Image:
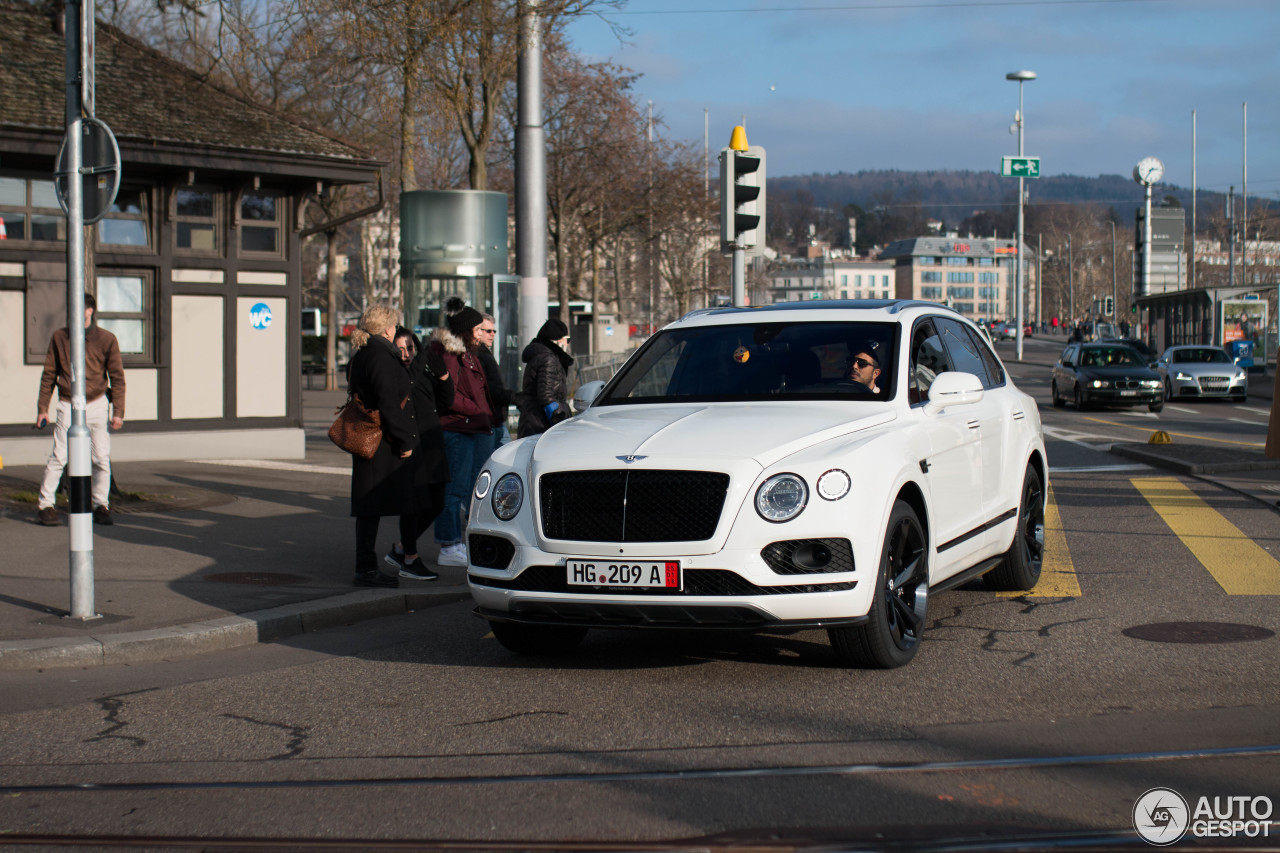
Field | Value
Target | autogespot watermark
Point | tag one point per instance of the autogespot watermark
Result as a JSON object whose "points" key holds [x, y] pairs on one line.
{"points": [[1162, 817]]}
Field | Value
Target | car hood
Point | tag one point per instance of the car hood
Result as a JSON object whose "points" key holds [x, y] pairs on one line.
{"points": [[690, 434]]}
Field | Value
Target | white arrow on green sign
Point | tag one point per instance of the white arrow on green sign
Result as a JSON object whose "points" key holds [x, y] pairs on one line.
{"points": [[1019, 167]]}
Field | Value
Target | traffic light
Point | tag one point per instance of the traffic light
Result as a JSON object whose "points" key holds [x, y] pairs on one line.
{"points": [[1108, 306], [742, 196]]}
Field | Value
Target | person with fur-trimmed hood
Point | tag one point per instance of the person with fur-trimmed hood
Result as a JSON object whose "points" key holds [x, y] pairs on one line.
{"points": [[544, 393], [467, 422]]}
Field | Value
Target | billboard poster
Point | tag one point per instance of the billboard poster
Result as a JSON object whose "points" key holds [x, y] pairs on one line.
{"points": [[1243, 323]]}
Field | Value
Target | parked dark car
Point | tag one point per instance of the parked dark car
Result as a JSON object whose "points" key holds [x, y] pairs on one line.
{"points": [[1109, 374]]}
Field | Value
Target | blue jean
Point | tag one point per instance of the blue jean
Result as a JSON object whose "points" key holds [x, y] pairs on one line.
{"points": [[466, 453]]}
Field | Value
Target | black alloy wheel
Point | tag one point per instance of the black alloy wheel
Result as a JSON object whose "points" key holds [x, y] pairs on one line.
{"points": [[1168, 390], [1079, 398], [1022, 563], [895, 623], [1058, 402]]}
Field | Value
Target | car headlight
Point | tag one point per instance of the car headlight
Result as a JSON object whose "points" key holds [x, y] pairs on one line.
{"points": [[781, 497], [508, 496], [1100, 383], [1151, 383], [482, 484], [1183, 377]]}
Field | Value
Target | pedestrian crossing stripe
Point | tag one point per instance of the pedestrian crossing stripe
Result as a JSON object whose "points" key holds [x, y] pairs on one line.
{"points": [[1057, 573], [1237, 563]]}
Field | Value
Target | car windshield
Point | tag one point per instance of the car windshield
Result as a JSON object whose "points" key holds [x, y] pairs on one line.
{"points": [[1202, 355], [765, 360], [1110, 357]]}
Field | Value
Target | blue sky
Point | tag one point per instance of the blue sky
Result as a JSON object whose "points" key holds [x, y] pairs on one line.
{"points": [[847, 85]]}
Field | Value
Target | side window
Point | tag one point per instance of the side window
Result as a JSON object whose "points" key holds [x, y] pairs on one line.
{"points": [[928, 359], [128, 222], [29, 211], [260, 218], [126, 308], [966, 353], [1068, 356], [198, 220]]}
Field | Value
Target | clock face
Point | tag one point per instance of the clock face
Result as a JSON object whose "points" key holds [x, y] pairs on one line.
{"points": [[1148, 171]]}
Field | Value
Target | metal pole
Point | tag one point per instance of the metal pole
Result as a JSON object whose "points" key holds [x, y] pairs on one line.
{"points": [[1071, 283], [1244, 204], [1146, 245], [1039, 282], [79, 448], [531, 177], [739, 276], [1115, 304], [1018, 261], [1192, 280], [649, 253], [1231, 237]]}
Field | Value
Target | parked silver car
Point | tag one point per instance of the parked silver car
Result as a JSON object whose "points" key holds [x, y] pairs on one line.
{"points": [[1201, 371]]}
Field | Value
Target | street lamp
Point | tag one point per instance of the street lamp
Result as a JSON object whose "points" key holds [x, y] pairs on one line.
{"points": [[1021, 77]]}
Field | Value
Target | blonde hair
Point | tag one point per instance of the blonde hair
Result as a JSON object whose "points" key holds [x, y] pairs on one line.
{"points": [[374, 321]]}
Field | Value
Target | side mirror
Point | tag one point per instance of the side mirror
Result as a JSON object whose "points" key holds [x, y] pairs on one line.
{"points": [[586, 395], [953, 388]]}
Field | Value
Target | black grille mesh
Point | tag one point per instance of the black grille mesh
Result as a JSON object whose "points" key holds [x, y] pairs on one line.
{"points": [[709, 582], [490, 552], [805, 556], [632, 506]]}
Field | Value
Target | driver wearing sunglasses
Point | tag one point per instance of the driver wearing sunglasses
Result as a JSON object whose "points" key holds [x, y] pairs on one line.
{"points": [[864, 368]]}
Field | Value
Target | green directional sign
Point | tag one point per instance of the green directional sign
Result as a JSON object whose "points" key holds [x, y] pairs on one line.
{"points": [[1019, 167]]}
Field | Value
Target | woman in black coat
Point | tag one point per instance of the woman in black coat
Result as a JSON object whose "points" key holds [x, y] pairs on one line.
{"points": [[432, 390], [382, 485], [543, 399]]}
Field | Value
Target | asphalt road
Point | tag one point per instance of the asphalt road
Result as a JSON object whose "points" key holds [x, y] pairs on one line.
{"points": [[1032, 714]]}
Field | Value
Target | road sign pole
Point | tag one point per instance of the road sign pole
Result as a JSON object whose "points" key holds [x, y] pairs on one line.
{"points": [[79, 448]]}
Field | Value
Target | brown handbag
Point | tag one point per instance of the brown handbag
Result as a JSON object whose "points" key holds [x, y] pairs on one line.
{"points": [[357, 430]]}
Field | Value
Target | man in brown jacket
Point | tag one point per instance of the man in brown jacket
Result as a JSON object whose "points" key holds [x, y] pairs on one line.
{"points": [[103, 373]]}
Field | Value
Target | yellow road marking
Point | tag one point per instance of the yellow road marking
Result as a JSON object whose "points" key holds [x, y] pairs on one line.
{"points": [[1149, 429], [1057, 573], [1237, 563]]}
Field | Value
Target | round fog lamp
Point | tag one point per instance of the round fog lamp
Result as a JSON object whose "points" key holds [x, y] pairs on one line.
{"points": [[834, 484]]}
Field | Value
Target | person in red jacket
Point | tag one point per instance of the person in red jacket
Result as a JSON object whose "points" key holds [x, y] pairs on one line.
{"points": [[468, 423], [104, 405]]}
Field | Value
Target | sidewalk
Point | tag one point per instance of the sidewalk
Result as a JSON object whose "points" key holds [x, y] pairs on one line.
{"points": [[213, 555], [205, 556]]}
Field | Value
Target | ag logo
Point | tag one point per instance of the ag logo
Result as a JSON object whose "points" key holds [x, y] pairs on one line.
{"points": [[1161, 816]]}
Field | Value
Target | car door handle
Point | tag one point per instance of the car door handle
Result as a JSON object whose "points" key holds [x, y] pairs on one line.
{"points": [[973, 424]]}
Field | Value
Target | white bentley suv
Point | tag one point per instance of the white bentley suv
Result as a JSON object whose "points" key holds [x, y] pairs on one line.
{"points": [[825, 464]]}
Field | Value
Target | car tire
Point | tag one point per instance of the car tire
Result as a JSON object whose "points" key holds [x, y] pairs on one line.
{"points": [[537, 639], [1156, 407], [1058, 402], [1079, 398], [895, 623], [1020, 569], [1168, 391]]}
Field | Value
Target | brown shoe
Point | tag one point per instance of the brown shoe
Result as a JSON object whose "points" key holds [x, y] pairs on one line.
{"points": [[49, 517], [101, 515]]}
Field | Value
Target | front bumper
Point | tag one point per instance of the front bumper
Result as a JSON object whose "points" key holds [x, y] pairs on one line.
{"points": [[1210, 387], [1114, 397]]}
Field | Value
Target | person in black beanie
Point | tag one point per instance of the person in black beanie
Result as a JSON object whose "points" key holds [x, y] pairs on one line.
{"points": [[467, 422], [544, 393]]}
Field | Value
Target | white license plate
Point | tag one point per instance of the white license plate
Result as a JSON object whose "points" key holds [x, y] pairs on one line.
{"points": [[1128, 393], [630, 574]]}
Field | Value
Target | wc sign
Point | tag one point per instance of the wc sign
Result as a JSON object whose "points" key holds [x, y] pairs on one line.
{"points": [[260, 316]]}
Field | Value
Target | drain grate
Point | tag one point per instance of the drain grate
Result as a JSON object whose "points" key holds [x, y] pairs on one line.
{"points": [[256, 578], [1198, 632]]}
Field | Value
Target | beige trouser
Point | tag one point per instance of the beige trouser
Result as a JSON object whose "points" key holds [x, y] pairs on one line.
{"points": [[97, 415]]}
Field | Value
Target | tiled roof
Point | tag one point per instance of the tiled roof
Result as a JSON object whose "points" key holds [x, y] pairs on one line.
{"points": [[141, 94]]}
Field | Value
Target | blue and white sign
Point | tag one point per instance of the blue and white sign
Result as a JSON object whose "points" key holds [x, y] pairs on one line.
{"points": [[260, 315]]}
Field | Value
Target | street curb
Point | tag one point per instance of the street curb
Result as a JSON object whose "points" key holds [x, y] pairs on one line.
{"points": [[1177, 461], [195, 638]]}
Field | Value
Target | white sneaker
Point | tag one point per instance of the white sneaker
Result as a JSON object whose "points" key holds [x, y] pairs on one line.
{"points": [[453, 555]]}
